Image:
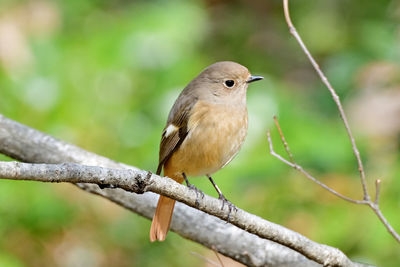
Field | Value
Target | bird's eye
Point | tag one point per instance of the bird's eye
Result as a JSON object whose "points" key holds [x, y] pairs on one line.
{"points": [[229, 83]]}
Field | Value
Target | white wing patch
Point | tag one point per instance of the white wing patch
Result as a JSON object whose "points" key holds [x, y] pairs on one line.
{"points": [[170, 129]]}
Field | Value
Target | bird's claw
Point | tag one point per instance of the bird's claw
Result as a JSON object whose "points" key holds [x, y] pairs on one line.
{"points": [[231, 207], [198, 192]]}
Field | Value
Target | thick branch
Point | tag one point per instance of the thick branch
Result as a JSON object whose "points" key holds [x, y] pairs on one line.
{"points": [[26, 144], [138, 181]]}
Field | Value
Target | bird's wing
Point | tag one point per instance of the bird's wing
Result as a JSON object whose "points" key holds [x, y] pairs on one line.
{"points": [[176, 129]]}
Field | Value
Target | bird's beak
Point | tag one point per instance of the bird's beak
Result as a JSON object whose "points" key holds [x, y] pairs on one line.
{"points": [[254, 78]]}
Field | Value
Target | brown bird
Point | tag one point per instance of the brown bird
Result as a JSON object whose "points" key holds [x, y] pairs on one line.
{"points": [[205, 129]]}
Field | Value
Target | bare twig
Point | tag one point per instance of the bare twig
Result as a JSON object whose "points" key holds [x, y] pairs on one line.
{"points": [[384, 221], [285, 144], [305, 173], [335, 97], [373, 205], [366, 197], [218, 257], [377, 190]]}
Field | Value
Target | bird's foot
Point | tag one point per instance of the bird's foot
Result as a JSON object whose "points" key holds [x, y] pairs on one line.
{"points": [[231, 207], [198, 191], [199, 194]]}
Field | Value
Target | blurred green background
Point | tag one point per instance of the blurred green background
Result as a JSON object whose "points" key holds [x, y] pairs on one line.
{"points": [[103, 75]]}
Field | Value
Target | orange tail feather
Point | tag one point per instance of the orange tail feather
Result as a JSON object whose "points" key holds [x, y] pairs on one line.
{"points": [[163, 215], [162, 219]]}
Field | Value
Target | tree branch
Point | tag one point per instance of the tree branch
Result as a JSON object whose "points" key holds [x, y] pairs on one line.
{"points": [[335, 97], [366, 197], [373, 205], [139, 181], [297, 167], [29, 145]]}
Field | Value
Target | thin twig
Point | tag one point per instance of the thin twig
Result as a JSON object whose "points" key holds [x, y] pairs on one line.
{"points": [[384, 221], [335, 97], [366, 197], [285, 144], [218, 257], [373, 205], [377, 190], [306, 174]]}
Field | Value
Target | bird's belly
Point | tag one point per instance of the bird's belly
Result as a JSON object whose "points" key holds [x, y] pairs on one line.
{"points": [[211, 143]]}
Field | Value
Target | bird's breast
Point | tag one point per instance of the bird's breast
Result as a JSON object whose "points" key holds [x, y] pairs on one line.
{"points": [[215, 135]]}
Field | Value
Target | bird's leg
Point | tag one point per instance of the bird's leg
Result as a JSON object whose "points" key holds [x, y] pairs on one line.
{"points": [[222, 198], [192, 187]]}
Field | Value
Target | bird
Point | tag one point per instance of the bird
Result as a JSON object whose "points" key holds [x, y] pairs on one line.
{"points": [[205, 129]]}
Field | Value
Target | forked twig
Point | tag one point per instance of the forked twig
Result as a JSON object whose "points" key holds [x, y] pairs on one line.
{"points": [[285, 144], [377, 191], [335, 97], [374, 205], [295, 166]]}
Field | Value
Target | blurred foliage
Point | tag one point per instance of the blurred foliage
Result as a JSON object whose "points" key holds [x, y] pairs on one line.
{"points": [[104, 74]]}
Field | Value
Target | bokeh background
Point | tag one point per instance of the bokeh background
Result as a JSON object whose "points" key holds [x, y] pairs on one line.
{"points": [[103, 75]]}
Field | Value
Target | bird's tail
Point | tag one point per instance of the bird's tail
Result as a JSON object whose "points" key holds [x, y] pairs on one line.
{"points": [[163, 215], [162, 219]]}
